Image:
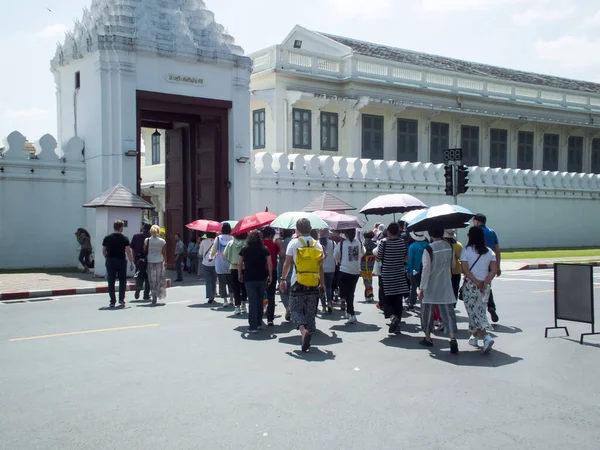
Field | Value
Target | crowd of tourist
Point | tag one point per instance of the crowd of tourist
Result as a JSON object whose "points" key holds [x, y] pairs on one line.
{"points": [[426, 273]]}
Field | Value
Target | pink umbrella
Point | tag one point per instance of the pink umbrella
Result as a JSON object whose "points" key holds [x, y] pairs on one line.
{"points": [[337, 221], [208, 226]]}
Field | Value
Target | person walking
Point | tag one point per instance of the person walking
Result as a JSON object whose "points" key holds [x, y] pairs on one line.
{"points": [[306, 255], [255, 270], [85, 248], [192, 255], [141, 262], [232, 254], [491, 241], [479, 268], [179, 256], [348, 254], [367, 264], [414, 265], [450, 237], [436, 288], [156, 250], [328, 271], [286, 238], [222, 265], [392, 253], [115, 247], [274, 248], [208, 266]]}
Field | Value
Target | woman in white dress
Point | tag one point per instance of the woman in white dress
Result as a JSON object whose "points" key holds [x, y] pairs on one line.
{"points": [[156, 249]]}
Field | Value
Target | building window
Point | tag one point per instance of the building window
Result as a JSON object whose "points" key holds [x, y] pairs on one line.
{"points": [[575, 162], [155, 148], [498, 148], [551, 146], [258, 127], [408, 142], [302, 128], [470, 145], [596, 155], [329, 131], [372, 137], [440, 137], [525, 150]]}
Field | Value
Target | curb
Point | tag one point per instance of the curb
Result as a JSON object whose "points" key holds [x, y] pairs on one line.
{"points": [[551, 265], [62, 292]]}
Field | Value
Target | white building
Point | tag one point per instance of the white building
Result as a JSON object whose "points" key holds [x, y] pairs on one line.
{"points": [[327, 95]]}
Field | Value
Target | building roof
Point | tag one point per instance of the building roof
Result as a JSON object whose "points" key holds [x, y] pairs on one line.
{"points": [[456, 65], [119, 196], [328, 202]]}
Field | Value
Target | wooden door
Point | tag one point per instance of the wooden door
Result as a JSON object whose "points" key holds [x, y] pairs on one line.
{"points": [[174, 190], [206, 170]]}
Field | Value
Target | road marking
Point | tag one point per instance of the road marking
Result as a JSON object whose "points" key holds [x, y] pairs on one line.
{"points": [[524, 279], [73, 333], [552, 290]]}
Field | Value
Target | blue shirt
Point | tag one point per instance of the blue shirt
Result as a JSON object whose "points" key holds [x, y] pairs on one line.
{"points": [[491, 240], [415, 256]]}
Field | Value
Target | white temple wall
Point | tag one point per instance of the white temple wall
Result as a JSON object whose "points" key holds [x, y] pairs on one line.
{"points": [[41, 202], [528, 209]]}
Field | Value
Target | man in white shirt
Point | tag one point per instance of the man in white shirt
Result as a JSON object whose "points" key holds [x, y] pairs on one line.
{"points": [[303, 298]]}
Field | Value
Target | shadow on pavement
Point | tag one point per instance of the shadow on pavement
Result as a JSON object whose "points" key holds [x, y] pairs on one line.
{"points": [[140, 301], [318, 338], [585, 342], [151, 305], [262, 335], [282, 328], [204, 305], [113, 308], [313, 355], [406, 342], [473, 358], [357, 328], [505, 329]]}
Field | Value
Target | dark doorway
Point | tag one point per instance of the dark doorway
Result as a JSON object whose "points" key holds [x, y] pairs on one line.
{"points": [[196, 163]]}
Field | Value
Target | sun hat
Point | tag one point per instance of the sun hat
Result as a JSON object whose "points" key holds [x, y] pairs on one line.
{"points": [[418, 236], [450, 234]]}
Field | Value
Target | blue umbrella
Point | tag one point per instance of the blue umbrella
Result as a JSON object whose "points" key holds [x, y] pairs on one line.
{"points": [[441, 216]]}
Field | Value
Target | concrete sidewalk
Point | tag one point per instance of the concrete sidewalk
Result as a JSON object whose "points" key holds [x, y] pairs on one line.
{"points": [[19, 286]]}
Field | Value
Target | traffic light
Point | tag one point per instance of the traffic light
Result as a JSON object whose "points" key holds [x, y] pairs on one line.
{"points": [[449, 181], [462, 182]]}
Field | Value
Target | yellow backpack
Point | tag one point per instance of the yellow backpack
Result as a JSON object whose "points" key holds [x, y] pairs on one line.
{"points": [[308, 264]]}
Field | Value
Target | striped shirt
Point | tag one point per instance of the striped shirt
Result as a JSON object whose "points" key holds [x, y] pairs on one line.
{"points": [[392, 254]]}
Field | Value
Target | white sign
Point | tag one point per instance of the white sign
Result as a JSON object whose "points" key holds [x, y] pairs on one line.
{"points": [[173, 78]]}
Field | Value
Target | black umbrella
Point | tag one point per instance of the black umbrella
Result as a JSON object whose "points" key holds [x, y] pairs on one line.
{"points": [[442, 216]]}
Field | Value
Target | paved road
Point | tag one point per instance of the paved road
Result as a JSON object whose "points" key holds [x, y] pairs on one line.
{"points": [[185, 376]]}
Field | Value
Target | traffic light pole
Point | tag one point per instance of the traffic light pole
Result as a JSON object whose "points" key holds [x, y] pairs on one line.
{"points": [[455, 181]]}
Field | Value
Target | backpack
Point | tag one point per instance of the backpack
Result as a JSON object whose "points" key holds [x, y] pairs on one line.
{"points": [[308, 263]]}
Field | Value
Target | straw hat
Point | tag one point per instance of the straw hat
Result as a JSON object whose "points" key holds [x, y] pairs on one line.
{"points": [[418, 236], [450, 234]]}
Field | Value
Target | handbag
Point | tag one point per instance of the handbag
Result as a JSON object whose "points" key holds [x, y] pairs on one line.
{"points": [[460, 290]]}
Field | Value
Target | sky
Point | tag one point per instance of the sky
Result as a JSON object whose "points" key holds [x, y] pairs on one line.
{"points": [[556, 37]]}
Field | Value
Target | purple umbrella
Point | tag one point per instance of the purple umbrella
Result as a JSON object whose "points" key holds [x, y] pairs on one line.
{"points": [[392, 204]]}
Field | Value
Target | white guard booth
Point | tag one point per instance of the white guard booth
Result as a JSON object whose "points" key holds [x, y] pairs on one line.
{"points": [[117, 203]]}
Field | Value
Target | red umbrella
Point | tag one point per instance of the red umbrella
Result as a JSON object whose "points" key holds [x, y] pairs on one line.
{"points": [[208, 226], [253, 221]]}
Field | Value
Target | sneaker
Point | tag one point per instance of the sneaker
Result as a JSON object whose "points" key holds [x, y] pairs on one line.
{"points": [[237, 311], [270, 323], [122, 302], [495, 317], [137, 295], [252, 331], [394, 324], [488, 343], [352, 319], [112, 305], [453, 346], [474, 342], [343, 305], [244, 310]]}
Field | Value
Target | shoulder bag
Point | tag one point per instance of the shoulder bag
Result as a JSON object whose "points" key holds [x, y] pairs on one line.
{"points": [[460, 291]]}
